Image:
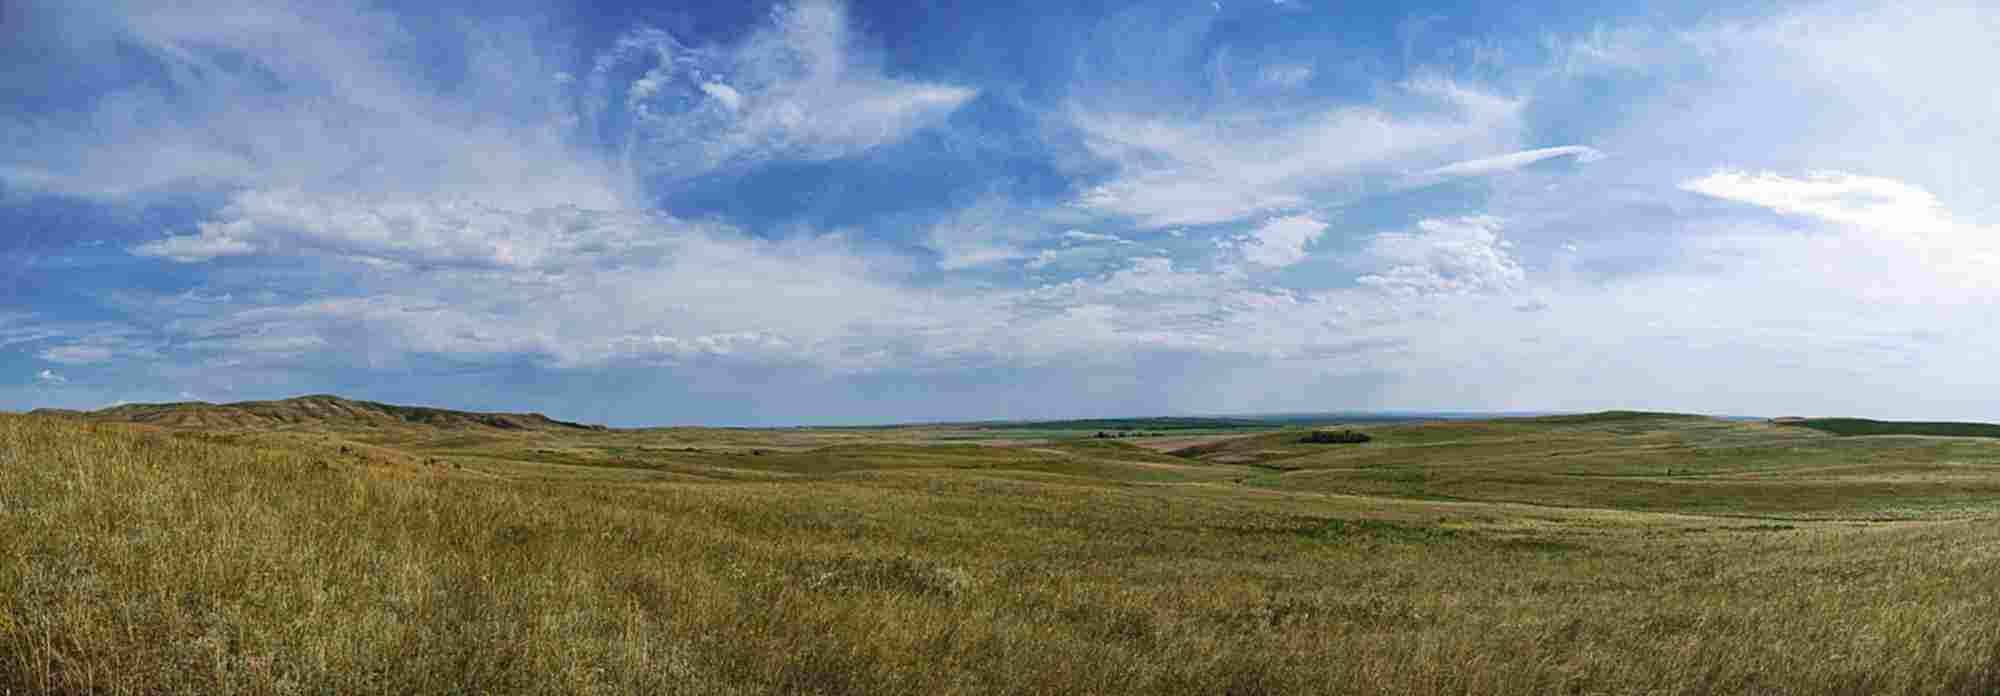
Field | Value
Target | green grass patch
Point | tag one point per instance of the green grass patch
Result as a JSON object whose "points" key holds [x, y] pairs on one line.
{"points": [[1863, 426]]}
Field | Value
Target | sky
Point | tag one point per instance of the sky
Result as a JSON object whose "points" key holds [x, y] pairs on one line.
{"points": [[816, 212]]}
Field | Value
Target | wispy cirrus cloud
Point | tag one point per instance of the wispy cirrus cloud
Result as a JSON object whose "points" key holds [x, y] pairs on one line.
{"points": [[803, 86], [1509, 162], [1235, 164]]}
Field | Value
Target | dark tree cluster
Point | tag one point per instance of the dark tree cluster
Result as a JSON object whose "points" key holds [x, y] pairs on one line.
{"points": [[1335, 437]]}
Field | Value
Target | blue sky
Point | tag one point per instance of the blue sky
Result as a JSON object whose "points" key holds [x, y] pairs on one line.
{"points": [[823, 212]]}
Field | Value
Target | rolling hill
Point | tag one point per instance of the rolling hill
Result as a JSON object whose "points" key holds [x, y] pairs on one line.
{"points": [[1863, 426], [318, 411]]}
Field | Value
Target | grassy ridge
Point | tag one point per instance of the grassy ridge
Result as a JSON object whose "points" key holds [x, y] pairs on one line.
{"points": [[133, 561], [1863, 426]]}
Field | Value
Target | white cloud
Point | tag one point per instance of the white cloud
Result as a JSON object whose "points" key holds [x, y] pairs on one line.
{"points": [[477, 232], [1829, 195], [50, 377], [1223, 167], [977, 256], [77, 354], [724, 93], [1856, 275], [1282, 241], [1445, 256], [460, 234], [214, 240], [1882, 241], [1511, 162], [1866, 300], [94, 343], [200, 110], [1844, 260], [652, 288], [463, 248], [623, 283], [469, 259], [803, 86], [1149, 302], [1867, 91], [10, 333], [1089, 237], [987, 233], [1285, 76], [354, 121], [488, 227], [1077, 258]]}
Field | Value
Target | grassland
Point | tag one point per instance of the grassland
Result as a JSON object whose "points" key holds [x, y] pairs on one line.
{"points": [[1863, 426], [1613, 554]]}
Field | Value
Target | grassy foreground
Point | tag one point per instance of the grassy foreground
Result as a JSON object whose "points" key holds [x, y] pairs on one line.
{"points": [[1511, 557]]}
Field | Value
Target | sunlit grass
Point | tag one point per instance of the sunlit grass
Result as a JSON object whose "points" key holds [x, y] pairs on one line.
{"points": [[141, 562]]}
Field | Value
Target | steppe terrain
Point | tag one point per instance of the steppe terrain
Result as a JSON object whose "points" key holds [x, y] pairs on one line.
{"points": [[321, 545]]}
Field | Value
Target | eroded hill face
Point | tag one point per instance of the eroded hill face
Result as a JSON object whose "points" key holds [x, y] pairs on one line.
{"points": [[316, 412]]}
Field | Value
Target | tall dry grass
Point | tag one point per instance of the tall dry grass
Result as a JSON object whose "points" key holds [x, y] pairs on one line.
{"points": [[137, 562]]}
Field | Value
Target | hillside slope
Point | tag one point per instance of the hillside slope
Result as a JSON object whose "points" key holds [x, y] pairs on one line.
{"points": [[1864, 426], [319, 411]]}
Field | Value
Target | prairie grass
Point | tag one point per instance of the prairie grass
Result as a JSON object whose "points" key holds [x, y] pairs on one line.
{"points": [[138, 561]]}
